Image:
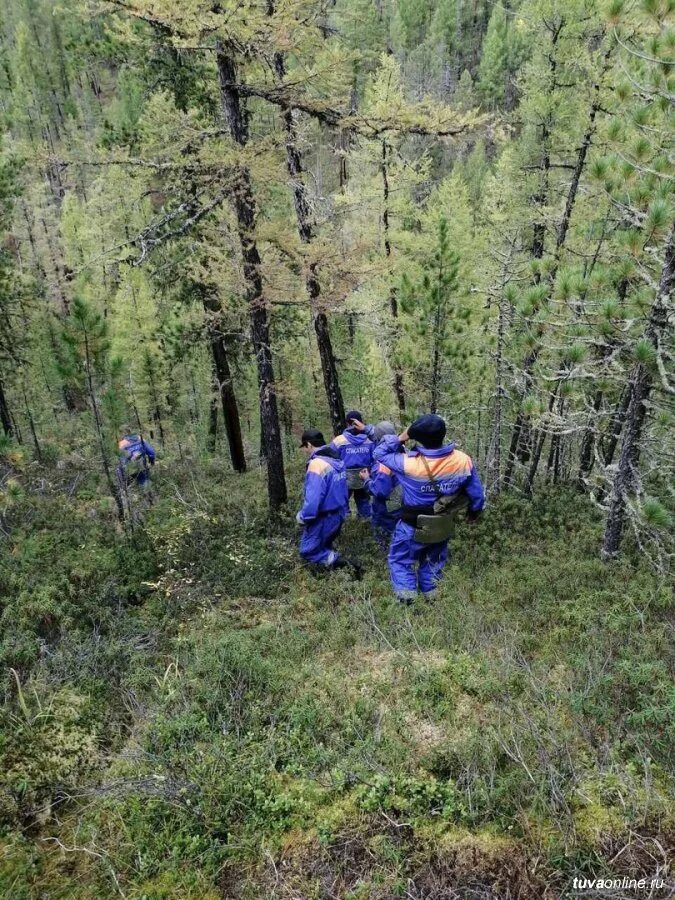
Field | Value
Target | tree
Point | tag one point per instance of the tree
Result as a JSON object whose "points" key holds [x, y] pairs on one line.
{"points": [[641, 186], [431, 305], [87, 364], [494, 63], [245, 210]]}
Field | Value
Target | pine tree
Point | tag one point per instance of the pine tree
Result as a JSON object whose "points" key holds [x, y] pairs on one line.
{"points": [[87, 364], [431, 305], [494, 64]]}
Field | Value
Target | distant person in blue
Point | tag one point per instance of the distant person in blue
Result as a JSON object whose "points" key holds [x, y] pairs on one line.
{"points": [[356, 452], [135, 458], [429, 475], [325, 503], [382, 485]]}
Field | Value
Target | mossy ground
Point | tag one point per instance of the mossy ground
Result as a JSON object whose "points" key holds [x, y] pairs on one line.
{"points": [[193, 715]]}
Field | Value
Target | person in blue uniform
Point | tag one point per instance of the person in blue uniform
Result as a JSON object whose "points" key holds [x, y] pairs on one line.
{"points": [[382, 485], [430, 470], [136, 456], [325, 502], [356, 451]]}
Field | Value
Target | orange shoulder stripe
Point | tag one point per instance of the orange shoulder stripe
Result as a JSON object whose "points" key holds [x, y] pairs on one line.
{"points": [[456, 463], [340, 440], [384, 470]]}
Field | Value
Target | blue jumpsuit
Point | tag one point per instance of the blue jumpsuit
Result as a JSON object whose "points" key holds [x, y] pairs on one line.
{"points": [[413, 565], [325, 507], [380, 485], [136, 455], [356, 451]]}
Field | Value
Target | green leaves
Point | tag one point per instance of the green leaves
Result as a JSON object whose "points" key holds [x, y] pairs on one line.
{"points": [[659, 216], [575, 354], [645, 352], [655, 514]]}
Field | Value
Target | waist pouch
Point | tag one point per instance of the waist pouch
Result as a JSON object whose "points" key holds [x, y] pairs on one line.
{"points": [[354, 482], [434, 529], [436, 523]]}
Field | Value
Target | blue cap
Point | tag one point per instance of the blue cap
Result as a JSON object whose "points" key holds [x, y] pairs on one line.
{"points": [[428, 428]]}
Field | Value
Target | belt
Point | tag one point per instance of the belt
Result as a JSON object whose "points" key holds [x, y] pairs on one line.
{"points": [[409, 514]]}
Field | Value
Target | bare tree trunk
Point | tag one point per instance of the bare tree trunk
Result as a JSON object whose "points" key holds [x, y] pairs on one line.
{"points": [[641, 380], [31, 424], [538, 443], [223, 380], [156, 406], [393, 302], [113, 486], [436, 355], [213, 413], [331, 379], [553, 465], [582, 153], [586, 454], [521, 426], [611, 441], [5, 415], [496, 462], [245, 210]]}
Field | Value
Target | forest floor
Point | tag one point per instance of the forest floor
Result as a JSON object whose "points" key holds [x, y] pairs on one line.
{"points": [[191, 714]]}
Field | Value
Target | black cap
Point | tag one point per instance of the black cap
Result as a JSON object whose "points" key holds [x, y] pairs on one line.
{"points": [[428, 430], [312, 436], [353, 414]]}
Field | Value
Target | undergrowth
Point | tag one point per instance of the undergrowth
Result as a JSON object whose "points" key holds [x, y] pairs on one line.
{"points": [[190, 714]]}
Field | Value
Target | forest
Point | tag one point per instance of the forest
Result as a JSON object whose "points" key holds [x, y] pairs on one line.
{"points": [[223, 223]]}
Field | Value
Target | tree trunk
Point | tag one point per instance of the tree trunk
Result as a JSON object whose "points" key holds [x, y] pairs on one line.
{"points": [[113, 485], [582, 153], [5, 415], [554, 456], [586, 454], [213, 415], [245, 210], [611, 441], [223, 380], [521, 426], [331, 379], [641, 381], [521, 430], [31, 424], [393, 302], [587, 451], [538, 443], [495, 471]]}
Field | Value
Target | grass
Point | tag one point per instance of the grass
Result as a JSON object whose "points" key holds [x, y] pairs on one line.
{"points": [[201, 717]]}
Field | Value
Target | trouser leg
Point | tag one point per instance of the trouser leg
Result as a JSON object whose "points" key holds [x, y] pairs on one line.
{"points": [[362, 500], [316, 542], [332, 528], [383, 526], [432, 560], [402, 563]]}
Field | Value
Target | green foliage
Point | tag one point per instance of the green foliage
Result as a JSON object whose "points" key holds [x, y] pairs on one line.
{"points": [[436, 314], [495, 59], [188, 713]]}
